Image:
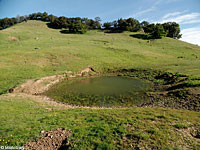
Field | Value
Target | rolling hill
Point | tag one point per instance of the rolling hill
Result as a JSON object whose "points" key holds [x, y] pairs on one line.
{"points": [[31, 50]]}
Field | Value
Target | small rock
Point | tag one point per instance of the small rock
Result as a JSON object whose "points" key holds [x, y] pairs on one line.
{"points": [[42, 132]]}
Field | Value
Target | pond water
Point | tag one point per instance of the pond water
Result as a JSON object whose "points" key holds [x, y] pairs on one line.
{"points": [[100, 91]]}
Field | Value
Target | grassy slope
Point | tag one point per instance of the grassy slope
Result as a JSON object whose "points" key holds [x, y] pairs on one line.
{"points": [[23, 119], [58, 52]]}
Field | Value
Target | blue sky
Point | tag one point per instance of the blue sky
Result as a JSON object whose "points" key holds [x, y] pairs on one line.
{"points": [[184, 12]]}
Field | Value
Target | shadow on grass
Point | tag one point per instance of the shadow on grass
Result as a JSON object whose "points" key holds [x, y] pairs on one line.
{"points": [[113, 31], [142, 36], [182, 86], [70, 32], [49, 25]]}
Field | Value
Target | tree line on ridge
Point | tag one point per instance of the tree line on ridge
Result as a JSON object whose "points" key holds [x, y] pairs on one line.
{"points": [[82, 25]]}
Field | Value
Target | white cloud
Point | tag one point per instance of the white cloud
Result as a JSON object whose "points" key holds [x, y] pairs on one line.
{"points": [[144, 11], [192, 21], [171, 15], [152, 8], [172, 1], [181, 18], [191, 35]]}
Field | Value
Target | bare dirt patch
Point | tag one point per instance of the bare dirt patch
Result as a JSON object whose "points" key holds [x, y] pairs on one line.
{"points": [[36, 87], [13, 38], [188, 137], [51, 140]]}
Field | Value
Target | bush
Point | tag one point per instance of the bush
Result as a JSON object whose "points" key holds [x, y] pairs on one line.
{"points": [[78, 27]]}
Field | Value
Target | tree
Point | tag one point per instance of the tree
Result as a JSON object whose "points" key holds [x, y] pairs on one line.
{"points": [[129, 24], [78, 27], [26, 18], [89, 22], [21, 18], [97, 22], [5, 22], [133, 25], [51, 18], [92, 24], [172, 29], [18, 18], [121, 24], [39, 16], [114, 24], [55, 23], [144, 24], [149, 28], [33, 16], [13, 21], [158, 32], [63, 22], [107, 25], [45, 16], [97, 19], [81, 25]]}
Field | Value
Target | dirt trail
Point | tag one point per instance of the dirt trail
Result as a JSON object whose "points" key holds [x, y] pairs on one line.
{"points": [[46, 101], [34, 88], [13, 38]]}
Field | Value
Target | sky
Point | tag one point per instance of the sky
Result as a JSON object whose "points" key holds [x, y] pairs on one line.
{"points": [[184, 12]]}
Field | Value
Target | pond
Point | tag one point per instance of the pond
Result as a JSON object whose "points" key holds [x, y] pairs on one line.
{"points": [[100, 91]]}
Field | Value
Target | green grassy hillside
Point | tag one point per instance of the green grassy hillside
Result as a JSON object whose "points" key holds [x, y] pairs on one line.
{"points": [[31, 50], [22, 120], [41, 51]]}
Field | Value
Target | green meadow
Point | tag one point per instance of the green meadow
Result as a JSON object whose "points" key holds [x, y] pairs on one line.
{"points": [[39, 51]]}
